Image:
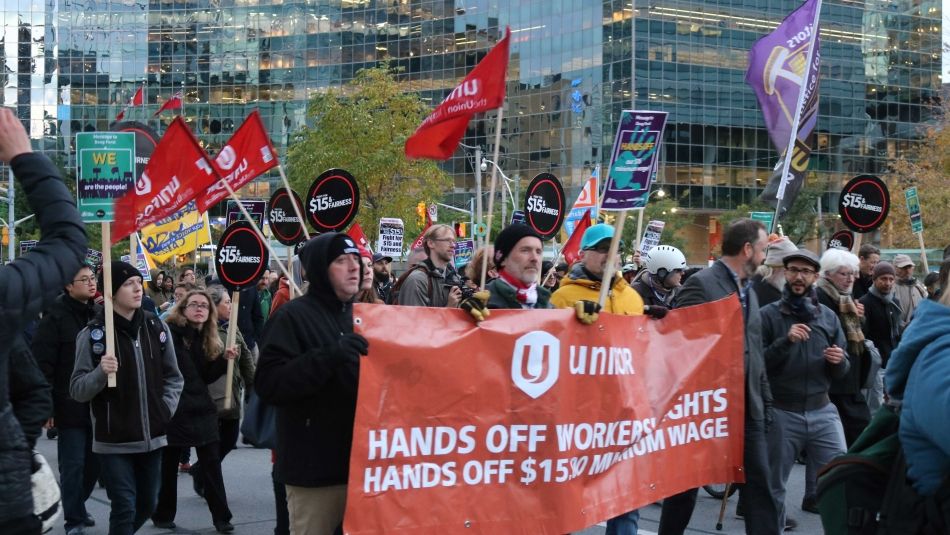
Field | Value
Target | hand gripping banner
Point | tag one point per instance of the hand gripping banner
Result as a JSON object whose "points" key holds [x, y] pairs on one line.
{"points": [[534, 423]]}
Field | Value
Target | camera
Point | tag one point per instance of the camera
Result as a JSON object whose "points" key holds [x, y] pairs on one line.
{"points": [[466, 291]]}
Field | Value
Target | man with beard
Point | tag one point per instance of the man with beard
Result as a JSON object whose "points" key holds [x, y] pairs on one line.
{"points": [[804, 351], [908, 291], [769, 280], [433, 282], [743, 250], [518, 250], [383, 275], [882, 324]]}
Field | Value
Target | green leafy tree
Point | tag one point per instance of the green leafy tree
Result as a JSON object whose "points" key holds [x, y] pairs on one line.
{"points": [[363, 128]]}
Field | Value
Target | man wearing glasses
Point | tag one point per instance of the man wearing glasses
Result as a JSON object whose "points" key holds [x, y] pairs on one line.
{"points": [[433, 282], [54, 347], [804, 352]]}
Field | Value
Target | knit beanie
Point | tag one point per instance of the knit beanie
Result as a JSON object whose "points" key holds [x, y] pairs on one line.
{"points": [[121, 272], [509, 237], [777, 251], [883, 268]]}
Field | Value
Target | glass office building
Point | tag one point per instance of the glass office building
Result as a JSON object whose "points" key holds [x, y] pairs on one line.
{"points": [[70, 65]]}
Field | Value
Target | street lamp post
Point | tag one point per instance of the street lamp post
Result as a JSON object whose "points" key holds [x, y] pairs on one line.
{"points": [[507, 188]]}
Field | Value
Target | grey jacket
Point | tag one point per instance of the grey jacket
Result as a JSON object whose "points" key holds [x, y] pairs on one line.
{"points": [[425, 287], [88, 381], [715, 283], [799, 375]]}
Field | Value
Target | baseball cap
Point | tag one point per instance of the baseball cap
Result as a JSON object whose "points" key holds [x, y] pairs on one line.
{"points": [[596, 234], [902, 260], [380, 256]]}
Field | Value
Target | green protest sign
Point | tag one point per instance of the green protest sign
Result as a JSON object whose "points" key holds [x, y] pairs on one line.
{"points": [[913, 210], [106, 171], [764, 217]]}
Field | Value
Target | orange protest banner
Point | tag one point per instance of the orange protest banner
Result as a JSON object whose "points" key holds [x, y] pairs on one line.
{"points": [[534, 423]]}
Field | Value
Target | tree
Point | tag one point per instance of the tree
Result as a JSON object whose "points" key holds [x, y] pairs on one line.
{"points": [[927, 167], [363, 128], [798, 223]]}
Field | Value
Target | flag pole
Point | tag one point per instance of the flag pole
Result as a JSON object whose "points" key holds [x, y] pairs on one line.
{"points": [[793, 136], [283, 178], [609, 270], [257, 229], [107, 296], [491, 193]]}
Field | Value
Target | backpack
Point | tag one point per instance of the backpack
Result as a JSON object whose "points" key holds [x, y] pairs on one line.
{"points": [[394, 292], [866, 491]]}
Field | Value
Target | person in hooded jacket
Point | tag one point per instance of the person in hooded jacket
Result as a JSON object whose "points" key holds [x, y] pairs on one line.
{"points": [[309, 370], [28, 285], [202, 359], [919, 375]]}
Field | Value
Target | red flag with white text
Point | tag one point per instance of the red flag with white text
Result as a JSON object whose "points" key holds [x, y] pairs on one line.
{"points": [[483, 89], [572, 249], [177, 172], [247, 155]]}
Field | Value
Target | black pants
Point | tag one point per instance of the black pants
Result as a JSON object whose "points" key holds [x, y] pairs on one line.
{"points": [[27, 525], [280, 503], [210, 473], [761, 517], [228, 431]]}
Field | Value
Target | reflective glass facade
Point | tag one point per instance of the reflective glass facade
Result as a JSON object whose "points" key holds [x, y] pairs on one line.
{"points": [[70, 65]]}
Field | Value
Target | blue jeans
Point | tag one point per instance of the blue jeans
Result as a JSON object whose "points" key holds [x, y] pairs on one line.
{"points": [[78, 472], [625, 524], [132, 481]]}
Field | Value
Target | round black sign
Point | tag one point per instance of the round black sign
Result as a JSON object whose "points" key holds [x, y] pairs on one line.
{"points": [[146, 139], [282, 217], [242, 257], [333, 200], [842, 239], [544, 205], [864, 203]]}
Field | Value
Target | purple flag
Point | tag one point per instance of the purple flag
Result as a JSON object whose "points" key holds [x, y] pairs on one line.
{"points": [[778, 72]]}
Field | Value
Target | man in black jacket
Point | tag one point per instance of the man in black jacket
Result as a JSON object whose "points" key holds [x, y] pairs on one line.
{"points": [[27, 286], [309, 370], [54, 348], [882, 323], [743, 250]]}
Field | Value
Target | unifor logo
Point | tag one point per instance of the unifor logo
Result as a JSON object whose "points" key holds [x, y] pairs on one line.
{"points": [[535, 362], [226, 158], [143, 186]]}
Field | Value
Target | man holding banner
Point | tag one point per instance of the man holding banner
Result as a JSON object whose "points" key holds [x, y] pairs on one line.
{"points": [[743, 250], [518, 250], [309, 370]]}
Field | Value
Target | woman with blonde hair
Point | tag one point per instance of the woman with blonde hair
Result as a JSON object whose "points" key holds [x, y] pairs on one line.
{"points": [[202, 359]]}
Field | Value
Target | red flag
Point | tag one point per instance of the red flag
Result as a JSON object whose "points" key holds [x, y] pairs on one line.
{"points": [[483, 89], [572, 249], [177, 172], [121, 115], [356, 232], [173, 103], [246, 156], [139, 97]]}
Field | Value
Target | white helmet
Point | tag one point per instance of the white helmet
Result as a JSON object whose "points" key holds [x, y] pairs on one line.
{"points": [[663, 259]]}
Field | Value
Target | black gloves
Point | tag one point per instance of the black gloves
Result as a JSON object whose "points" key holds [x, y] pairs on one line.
{"points": [[351, 346], [476, 305], [655, 311], [586, 311]]}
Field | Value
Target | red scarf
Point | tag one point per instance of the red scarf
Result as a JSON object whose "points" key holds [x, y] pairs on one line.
{"points": [[526, 294]]}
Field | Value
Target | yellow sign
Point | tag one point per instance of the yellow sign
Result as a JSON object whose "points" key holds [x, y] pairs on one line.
{"points": [[179, 234]]}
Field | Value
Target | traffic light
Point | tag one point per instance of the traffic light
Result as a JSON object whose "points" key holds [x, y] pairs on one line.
{"points": [[421, 212], [6, 236], [460, 229]]}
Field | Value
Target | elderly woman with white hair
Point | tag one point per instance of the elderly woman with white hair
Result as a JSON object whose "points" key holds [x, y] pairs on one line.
{"points": [[839, 270]]}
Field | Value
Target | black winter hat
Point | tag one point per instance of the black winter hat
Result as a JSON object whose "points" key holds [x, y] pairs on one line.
{"points": [[121, 272], [509, 237], [317, 255]]}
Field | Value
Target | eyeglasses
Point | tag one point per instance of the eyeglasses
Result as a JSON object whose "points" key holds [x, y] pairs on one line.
{"points": [[84, 280], [798, 271], [450, 240], [198, 306]]}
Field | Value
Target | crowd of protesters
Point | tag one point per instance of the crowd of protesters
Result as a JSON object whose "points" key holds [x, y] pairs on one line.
{"points": [[826, 340]]}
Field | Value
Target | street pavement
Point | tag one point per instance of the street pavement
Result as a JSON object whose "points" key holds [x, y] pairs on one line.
{"points": [[250, 495]]}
